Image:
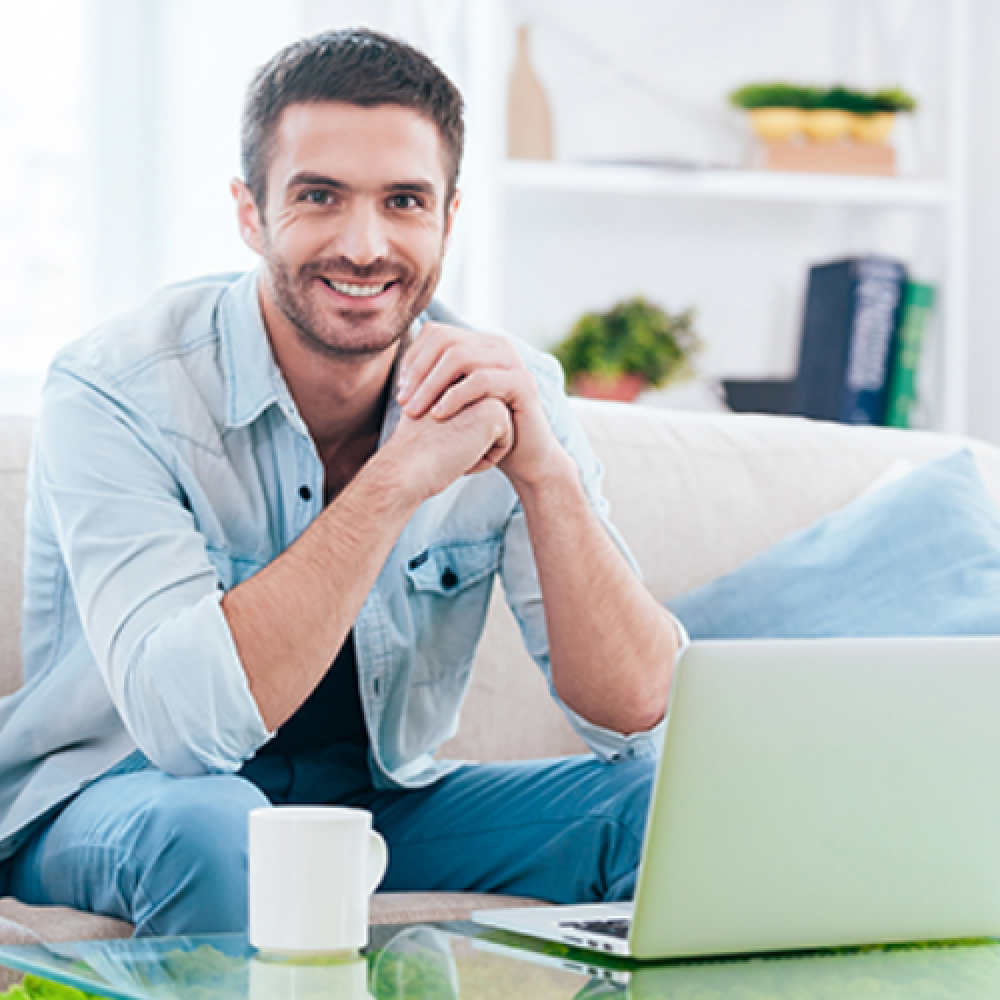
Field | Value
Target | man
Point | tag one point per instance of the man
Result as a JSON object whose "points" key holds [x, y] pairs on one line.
{"points": [[265, 516]]}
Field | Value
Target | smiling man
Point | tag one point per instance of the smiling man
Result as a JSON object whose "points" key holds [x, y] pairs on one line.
{"points": [[266, 514]]}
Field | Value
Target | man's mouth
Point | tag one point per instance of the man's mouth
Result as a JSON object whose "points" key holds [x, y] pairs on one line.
{"points": [[356, 291]]}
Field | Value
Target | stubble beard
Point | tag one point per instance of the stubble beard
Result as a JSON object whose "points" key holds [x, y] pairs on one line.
{"points": [[322, 331]]}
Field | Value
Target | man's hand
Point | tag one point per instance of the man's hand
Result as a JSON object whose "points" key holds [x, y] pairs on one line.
{"points": [[436, 452], [447, 370]]}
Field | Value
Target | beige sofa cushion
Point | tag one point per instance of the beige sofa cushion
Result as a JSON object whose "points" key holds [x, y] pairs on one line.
{"points": [[15, 442]]}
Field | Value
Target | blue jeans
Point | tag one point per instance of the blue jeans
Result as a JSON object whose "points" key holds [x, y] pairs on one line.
{"points": [[169, 854]]}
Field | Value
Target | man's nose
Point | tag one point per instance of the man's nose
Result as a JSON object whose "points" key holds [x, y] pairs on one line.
{"points": [[364, 239]]}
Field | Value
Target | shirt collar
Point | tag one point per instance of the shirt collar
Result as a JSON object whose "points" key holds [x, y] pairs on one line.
{"points": [[253, 379]]}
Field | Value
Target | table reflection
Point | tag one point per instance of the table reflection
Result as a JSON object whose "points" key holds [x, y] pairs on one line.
{"points": [[461, 962]]}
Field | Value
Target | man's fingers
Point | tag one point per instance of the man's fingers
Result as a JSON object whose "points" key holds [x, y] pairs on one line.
{"points": [[503, 437], [452, 365], [448, 356], [423, 356], [479, 385]]}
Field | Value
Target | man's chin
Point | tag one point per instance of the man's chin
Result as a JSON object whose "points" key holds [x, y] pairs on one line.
{"points": [[354, 341]]}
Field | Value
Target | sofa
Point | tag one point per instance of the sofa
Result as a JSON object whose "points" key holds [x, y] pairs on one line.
{"points": [[695, 495]]}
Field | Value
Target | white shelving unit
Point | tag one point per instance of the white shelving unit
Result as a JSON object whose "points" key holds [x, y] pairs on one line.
{"points": [[492, 182], [738, 185]]}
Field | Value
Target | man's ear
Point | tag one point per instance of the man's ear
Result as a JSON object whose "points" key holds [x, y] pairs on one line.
{"points": [[449, 218], [247, 215]]}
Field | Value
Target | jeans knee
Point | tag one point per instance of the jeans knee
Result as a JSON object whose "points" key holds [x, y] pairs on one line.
{"points": [[195, 875], [623, 816], [629, 792]]}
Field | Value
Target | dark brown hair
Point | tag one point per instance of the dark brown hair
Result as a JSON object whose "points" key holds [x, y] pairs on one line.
{"points": [[356, 66]]}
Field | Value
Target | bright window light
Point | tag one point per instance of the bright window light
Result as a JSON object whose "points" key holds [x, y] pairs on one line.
{"points": [[41, 167]]}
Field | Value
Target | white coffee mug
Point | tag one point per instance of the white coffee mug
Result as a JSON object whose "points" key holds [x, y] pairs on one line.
{"points": [[312, 870]]}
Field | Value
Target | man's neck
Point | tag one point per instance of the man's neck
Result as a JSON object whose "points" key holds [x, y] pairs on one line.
{"points": [[342, 403]]}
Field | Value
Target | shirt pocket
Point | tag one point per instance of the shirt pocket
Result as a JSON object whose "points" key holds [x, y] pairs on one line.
{"points": [[447, 569], [449, 586]]}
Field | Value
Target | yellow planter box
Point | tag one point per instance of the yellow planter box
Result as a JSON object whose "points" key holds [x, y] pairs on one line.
{"points": [[827, 125], [872, 128], [776, 124], [823, 125]]}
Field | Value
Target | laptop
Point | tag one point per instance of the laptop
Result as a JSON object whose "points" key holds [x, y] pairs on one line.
{"points": [[812, 794]]}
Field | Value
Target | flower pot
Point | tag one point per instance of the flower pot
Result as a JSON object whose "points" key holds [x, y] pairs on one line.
{"points": [[827, 124], [872, 128], [619, 388], [776, 124]]}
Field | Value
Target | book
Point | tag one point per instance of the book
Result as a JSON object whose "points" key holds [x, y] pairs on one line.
{"points": [[851, 317], [764, 395], [918, 303]]}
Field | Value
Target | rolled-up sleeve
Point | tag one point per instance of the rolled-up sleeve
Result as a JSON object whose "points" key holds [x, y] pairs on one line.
{"points": [[145, 587]]}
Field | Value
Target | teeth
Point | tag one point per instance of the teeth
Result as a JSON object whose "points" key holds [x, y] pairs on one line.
{"points": [[358, 291]]}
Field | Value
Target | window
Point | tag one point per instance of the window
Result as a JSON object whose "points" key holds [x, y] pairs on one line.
{"points": [[41, 167]]}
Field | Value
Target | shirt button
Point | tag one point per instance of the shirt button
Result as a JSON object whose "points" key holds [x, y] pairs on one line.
{"points": [[305, 493], [448, 579]]}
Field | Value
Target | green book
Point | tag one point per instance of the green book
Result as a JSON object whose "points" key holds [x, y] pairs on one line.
{"points": [[918, 301]]}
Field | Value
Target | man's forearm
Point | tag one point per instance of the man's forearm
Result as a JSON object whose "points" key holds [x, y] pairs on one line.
{"points": [[611, 645], [290, 619]]}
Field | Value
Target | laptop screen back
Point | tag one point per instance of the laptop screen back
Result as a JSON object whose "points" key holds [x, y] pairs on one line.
{"points": [[825, 792]]}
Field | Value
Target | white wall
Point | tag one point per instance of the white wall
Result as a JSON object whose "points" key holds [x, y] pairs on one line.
{"points": [[984, 217]]}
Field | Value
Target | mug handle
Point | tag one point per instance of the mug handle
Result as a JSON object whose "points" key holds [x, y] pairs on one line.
{"points": [[378, 860]]}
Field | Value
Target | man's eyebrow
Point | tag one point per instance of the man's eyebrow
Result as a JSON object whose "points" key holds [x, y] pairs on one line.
{"points": [[305, 178], [411, 187]]}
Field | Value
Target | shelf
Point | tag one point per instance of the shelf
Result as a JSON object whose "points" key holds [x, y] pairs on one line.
{"points": [[735, 185]]}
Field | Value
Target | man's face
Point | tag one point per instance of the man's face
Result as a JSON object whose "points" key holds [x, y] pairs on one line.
{"points": [[355, 226]]}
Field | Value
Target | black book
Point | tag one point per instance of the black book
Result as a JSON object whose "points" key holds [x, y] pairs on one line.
{"points": [[758, 395], [851, 318]]}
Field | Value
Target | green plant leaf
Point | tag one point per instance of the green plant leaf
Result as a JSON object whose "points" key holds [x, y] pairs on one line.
{"points": [[790, 95], [633, 337]]}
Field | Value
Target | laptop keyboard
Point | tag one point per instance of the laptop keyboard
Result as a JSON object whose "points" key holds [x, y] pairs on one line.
{"points": [[612, 928]]}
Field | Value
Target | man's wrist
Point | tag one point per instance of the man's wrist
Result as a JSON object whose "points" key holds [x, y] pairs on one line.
{"points": [[557, 475], [395, 482]]}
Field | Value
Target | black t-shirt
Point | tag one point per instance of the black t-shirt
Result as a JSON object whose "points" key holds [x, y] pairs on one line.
{"points": [[331, 715]]}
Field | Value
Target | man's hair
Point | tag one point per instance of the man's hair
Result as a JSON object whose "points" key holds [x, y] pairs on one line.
{"points": [[356, 66]]}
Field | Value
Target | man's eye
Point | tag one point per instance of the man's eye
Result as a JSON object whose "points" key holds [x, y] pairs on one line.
{"points": [[318, 197], [404, 201]]}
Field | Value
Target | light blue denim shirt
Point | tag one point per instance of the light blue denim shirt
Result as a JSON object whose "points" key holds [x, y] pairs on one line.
{"points": [[168, 466]]}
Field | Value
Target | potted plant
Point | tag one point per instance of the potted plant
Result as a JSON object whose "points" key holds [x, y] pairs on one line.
{"points": [[776, 110], [633, 346], [874, 122], [779, 111]]}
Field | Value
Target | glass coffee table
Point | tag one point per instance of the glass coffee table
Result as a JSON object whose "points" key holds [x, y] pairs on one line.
{"points": [[459, 961]]}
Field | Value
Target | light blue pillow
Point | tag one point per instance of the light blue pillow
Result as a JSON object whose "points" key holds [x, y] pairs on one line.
{"points": [[920, 556]]}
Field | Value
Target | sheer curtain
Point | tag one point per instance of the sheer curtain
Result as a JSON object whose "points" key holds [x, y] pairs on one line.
{"points": [[41, 221]]}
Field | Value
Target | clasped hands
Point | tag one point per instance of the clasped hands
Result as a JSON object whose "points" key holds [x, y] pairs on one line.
{"points": [[470, 403]]}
